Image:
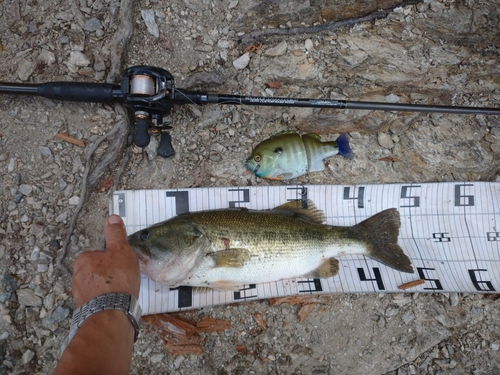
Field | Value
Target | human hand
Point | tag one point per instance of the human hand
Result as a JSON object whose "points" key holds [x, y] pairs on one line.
{"points": [[116, 269]]}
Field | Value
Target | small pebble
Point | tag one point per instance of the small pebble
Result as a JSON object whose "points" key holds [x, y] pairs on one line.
{"points": [[242, 61], [92, 25], [278, 50], [149, 18], [27, 356], [385, 140], [392, 98], [35, 254], [155, 358], [25, 189], [27, 297], [309, 44]]}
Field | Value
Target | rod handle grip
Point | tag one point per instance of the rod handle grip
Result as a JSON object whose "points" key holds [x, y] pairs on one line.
{"points": [[80, 91]]}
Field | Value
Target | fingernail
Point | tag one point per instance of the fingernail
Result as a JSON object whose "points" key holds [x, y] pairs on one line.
{"points": [[115, 219]]}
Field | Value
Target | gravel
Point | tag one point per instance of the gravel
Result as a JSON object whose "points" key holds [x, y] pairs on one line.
{"points": [[432, 52]]}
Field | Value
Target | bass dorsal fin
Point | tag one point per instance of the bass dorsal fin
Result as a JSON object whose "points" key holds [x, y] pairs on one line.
{"points": [[306, 209]]}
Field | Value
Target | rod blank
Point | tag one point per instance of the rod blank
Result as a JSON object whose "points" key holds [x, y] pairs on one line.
{"points": [[182, 97]]}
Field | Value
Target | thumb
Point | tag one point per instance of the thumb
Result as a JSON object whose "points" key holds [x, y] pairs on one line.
{"points": [[115, 233]]}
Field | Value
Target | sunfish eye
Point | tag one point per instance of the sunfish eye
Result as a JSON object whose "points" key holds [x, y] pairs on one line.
{"points": [[257, 158], [278, 151], [143, 236]]}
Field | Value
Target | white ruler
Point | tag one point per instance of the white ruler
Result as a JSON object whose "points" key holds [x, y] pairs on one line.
{"points": [[450, 231]]}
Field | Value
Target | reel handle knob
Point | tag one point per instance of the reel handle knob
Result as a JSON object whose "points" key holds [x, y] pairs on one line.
{"points": [[141, 136], [165, 148]]}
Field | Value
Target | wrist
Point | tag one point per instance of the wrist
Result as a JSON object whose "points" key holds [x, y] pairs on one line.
{"points": [[110, 323], [102, 346]]}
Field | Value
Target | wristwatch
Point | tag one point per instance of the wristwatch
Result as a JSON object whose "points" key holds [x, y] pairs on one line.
{"points": [[109, 301]]}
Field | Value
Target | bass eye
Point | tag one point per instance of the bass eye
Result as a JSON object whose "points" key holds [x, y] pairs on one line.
{"points": [[278, 151], [143, 236], [257, 158]]}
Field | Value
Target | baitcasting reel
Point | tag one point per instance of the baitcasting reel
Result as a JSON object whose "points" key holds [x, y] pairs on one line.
{"points": [[150, 94]]}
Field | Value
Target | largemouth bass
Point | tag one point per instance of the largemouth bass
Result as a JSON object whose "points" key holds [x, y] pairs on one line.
{"points": [[226, 249], [288, 155]]}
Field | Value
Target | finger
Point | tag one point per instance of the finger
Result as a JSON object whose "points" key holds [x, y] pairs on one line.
{"points": [[116, 236]]}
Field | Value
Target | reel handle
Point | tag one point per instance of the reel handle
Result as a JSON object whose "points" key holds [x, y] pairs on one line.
{"points": [[141, 135], [165, 148]]}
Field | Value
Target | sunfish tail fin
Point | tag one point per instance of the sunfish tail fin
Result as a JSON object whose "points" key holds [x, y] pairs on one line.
{"points": [[381, 234], [343, 145]]}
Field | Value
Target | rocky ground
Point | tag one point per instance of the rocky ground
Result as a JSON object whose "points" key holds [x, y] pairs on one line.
{"points": [[431, 52]]}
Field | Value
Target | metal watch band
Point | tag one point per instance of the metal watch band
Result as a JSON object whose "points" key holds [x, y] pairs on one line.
{"points": [[109, 301]]}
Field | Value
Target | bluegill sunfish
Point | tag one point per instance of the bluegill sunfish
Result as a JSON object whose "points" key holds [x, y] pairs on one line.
{"points": [[288, 155]]}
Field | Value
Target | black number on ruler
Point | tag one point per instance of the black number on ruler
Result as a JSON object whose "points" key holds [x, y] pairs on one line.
{"points": [[463, 200], [378, 277], [488, 286], [301, 193], [181, 201], [493, 236], [246, 293], [246, 197], [360, 197], [423, 276], [404, 195], [310, 286], [185, 296], [441, 237]]}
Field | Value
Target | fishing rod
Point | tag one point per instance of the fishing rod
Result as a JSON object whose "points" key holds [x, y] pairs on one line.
{"points": [[150, 94]]}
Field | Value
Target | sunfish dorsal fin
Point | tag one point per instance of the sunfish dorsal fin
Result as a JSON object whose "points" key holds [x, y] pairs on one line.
{"points": [[313, 135], [283, 132], [309, 211]]}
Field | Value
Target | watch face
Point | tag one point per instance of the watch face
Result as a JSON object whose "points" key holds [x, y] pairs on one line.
{"points": [[135, 308]]}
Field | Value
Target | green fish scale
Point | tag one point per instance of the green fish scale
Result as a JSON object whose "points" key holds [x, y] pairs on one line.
{"points": [[296, 153], [322, 150], [265, 234], [318, 151]]}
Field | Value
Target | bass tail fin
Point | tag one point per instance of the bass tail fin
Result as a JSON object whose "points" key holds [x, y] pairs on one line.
{"points": [[343, 145], [381, 233]]}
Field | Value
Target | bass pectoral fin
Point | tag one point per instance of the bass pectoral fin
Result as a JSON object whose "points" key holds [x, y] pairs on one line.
{"points": [[328, 268], [230, 258]]}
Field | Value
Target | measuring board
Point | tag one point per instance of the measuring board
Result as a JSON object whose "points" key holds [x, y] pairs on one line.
{"points": [[450, 231]]}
